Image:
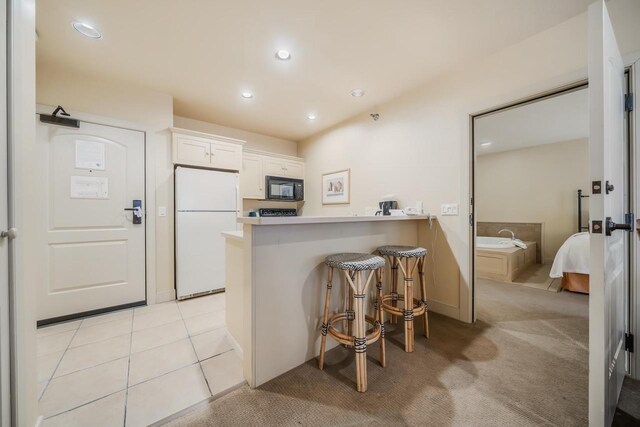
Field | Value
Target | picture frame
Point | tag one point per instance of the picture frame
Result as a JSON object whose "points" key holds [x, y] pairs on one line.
{"points": [[336, 187]]}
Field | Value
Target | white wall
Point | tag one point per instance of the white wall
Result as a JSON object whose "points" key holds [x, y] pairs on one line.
{"points": [[419, 149], [535, 184], [254, 140]]}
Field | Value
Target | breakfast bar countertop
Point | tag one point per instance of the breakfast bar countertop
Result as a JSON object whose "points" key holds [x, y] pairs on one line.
{"points": [[284, 220]]}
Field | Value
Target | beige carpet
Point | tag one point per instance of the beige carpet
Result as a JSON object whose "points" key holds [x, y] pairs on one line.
{"points": [[524, 362]]}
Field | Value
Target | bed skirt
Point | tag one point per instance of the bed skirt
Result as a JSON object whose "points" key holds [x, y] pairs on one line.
{"points": [[576, 282]]}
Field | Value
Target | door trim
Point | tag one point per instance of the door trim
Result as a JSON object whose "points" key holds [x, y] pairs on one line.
{"points": [[149, 190]]}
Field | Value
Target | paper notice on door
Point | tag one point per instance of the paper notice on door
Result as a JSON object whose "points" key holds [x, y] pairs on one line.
{"points": [[89, 187], [90, 155]]}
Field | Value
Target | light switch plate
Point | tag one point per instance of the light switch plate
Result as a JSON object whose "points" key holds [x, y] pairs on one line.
{"points": [[162, 211], [449, 209]]}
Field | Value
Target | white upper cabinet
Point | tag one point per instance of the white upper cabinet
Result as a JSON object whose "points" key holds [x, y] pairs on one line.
{"points": [[283, 167], [273, 166], [251, 177], [294, 169], [256, 165], [191, 151], [200, 149]]}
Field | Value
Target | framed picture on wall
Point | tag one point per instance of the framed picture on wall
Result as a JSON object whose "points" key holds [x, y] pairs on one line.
{"points": [[336, 187]]}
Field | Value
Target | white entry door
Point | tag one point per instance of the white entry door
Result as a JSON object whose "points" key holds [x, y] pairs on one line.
{"points": [[95, 252], [609, 247]]}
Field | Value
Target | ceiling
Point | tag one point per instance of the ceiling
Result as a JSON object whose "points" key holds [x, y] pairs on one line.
{"points": [[205, 53], [557, 119]]}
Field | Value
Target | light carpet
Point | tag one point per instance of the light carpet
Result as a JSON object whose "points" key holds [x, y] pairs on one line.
{"points": [[524, 362]]}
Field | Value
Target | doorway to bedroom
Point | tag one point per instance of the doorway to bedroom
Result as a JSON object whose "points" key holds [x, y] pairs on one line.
{"points": [[530, 184]]}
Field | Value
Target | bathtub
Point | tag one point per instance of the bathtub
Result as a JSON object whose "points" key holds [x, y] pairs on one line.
{"points": [[498, 258], [483, 242]]}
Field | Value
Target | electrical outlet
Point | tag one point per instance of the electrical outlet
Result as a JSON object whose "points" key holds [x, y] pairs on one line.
{"points": [[450, 209], [162, 211]]}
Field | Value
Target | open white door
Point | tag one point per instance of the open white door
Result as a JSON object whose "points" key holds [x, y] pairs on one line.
{"points": [[609, 243]]}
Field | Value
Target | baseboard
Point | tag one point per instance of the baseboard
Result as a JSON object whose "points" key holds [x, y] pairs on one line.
{"points": [[235, 345], [165, 296], [444, 309]]}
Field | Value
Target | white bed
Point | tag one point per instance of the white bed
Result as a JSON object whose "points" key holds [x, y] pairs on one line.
{"points": [[572, 263]]}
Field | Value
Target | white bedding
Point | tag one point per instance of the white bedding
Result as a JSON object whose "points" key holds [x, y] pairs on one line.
{"points": [[572, 257]]}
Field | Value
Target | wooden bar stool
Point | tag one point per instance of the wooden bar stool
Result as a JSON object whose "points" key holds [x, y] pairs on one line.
{"points": [[358, 271], [407, 259]]}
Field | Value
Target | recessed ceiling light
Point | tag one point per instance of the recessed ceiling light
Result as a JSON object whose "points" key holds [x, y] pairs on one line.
{"points": [[87, 30], [283, 55], [486, 144], [357, 93], [311, 116], [247, 95]]}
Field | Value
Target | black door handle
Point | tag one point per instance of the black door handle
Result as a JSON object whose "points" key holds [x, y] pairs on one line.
{"points": [[137, 211], [612, 226]]}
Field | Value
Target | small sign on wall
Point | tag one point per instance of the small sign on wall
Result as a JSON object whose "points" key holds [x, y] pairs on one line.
{"points": [[89, 187], [90, 155]]}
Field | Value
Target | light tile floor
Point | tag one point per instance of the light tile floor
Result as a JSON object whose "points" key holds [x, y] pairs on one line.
{"points": [[135, 367]]}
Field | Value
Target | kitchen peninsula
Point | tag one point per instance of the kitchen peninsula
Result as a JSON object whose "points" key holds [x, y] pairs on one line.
{"points": [[282, 278]]}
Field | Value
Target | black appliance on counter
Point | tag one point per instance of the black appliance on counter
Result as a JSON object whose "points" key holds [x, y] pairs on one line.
{"points": [[284, 189], [386, 206], [277, 212]]}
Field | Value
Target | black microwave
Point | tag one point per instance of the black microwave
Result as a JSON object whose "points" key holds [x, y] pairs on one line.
{"points": [[284, 189]]}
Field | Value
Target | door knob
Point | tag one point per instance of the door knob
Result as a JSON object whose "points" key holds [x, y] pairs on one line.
{"points": [[608, 187], [10, 234], [612, 226]]}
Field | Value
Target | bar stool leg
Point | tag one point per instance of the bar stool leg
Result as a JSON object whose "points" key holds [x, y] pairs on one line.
{"points": [[380, 317], [325, 318], [423, 290], [394, 286], [350, 311], [360, 338], [408, 308]]}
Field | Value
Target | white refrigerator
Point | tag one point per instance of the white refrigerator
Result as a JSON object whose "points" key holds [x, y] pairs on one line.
{"points": [[206, 204]]}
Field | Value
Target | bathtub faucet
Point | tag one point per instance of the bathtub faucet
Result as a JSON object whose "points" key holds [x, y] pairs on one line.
{"points": [[513, 235]]}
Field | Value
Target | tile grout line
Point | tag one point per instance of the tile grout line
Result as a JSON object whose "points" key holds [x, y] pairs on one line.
{"points": [[196, 353], [126, 389], [84, 404], [59, 362], [126, 385]]}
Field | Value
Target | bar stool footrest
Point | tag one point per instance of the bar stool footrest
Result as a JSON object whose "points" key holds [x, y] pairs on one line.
{"points": [[346, 339], [418, 306]]}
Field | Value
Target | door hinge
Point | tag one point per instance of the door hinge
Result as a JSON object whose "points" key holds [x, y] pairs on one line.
{"points": [[471, 219], [628, 342], [628, 102]]}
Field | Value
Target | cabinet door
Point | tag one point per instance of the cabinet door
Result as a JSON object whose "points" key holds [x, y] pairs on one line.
{"points": [[192, 151], [274, 167], [226, 156], [251, 177], [294, 170]]}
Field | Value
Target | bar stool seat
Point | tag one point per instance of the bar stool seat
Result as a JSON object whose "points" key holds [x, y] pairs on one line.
{"points": [[355, 267], [407, 259], [354, 262], [402, 251]]}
